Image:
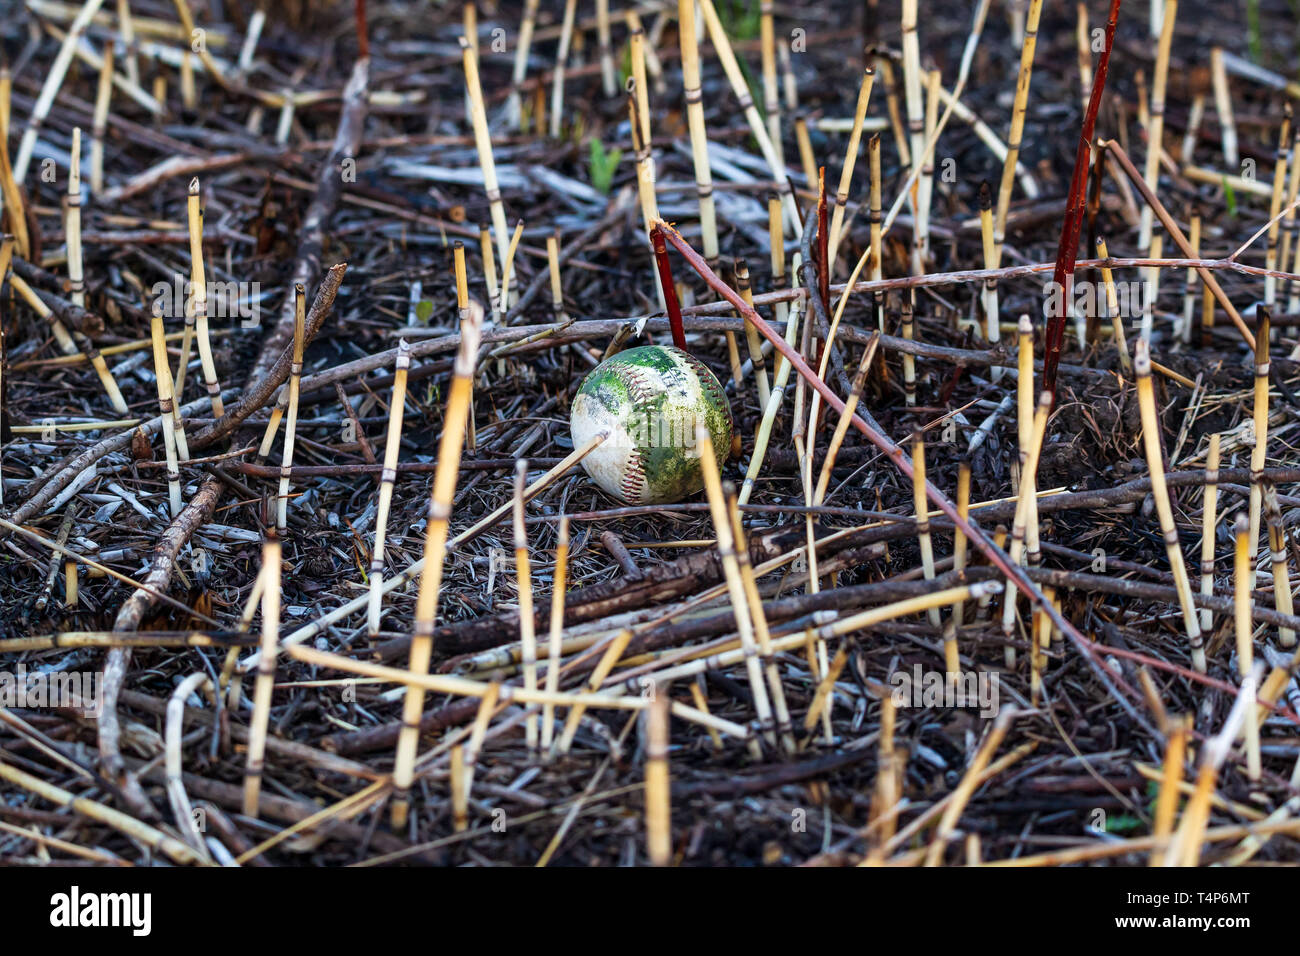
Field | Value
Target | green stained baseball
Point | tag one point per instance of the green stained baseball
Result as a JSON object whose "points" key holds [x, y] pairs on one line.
{"points": [[649, 401]]}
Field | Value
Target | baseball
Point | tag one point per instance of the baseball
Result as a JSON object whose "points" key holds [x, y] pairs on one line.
{"points": [[649, 400]]}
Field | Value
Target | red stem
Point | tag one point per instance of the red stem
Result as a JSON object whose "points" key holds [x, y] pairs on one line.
{"points": [[1068, 249], [363, 38], [670, 291]]}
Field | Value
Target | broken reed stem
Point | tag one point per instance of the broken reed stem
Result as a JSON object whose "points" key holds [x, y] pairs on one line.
{"points": [[686, 31], [1190, 284], [443, 494], [1275, 207], [850, 159], [561, 64], [462, 312], [72, 224], [388, 478], [771, 91], [1083, 49], [199, 298], [617, 645], [483, 144], [761, 632], [912, 88], [103, 96], [842, 426], [1259, 452], [265, 673], [966, 788], [557, 288], [989, 291], [478, 733], [740, 86], [514, 111], [1171, 780], [922, 517], [1025, 421], [291, 417], [753, 343], [1209, 526], [1160, 492], [1017, 550], [726, 545], [1223, 106], [1112, 308], [609, 81], [523, 573], [873, 153], [774, 402], [489, 269], [886, 68], [909, 360], [801, 137], [166, 405], [1156, 122], [555, 644], [658, 809], [1015, 134], [645, 162], [1281, 573], [508, 279], [1242, 572], [951, 655], [50, 88], [925, 185]]}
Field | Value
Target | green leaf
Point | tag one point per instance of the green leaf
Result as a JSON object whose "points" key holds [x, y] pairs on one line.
{"points": [[424, 311], [1230, 195], [1122, 823], [602, 165]]}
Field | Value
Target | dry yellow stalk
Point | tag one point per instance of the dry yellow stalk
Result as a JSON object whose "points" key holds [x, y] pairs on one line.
{"points": [[559, 582], [1160, 492], [265, 674], [388, 477], [291, 417], [199, 300], [1209, 525], [658, 812], [435, 542]]}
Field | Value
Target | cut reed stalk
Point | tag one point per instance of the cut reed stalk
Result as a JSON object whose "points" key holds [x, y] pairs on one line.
{"points": [[1025, 422], [1083, 50], [1171, 780], [1242, 573], [50, 88], [762, 634], [265, 673], [923, 517], [1209, 527], [886, 68], [523, 573], [199, 304], [1259, 452], [291, 416], [556, 639], [1281, 572], [842, 426], [989, 291], [925, 185], [388, 478], [435, 542], [1223, 106], [166, 406], [609, 80], [740, 87], [487, 706], [951, 655], [873, 153], [1156, 122], [1160, 492], [1190, 284], [514, 110], [850, 159], [658, 808], [483, 144], [1017, 549], [561, 65], [727, 545], [1016, 131], [613, 652], [1112, 308], [771, 90], [753, 343], [1275, 208], [103, 96], [687, 34], [488, 254]]}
